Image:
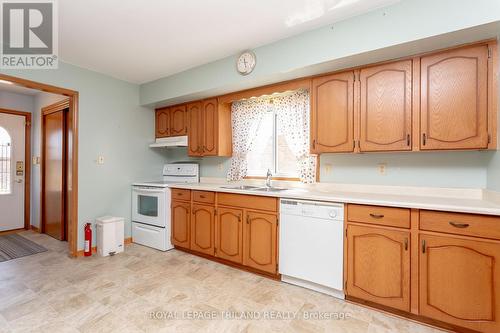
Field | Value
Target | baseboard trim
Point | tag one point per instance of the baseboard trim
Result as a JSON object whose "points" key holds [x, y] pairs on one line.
{"points": [[80, 253], [13, 231], [35, 229]]}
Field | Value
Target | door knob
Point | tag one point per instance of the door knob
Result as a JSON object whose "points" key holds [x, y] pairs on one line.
{"points": [[19, 181]]}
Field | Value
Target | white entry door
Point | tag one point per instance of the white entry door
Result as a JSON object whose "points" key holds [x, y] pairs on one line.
{"points": [[12, 154]]}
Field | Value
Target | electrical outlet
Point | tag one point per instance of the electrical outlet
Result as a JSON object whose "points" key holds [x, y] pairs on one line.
{"points": [[36, 160], [328, 168], [100, 160], [382, 169]]}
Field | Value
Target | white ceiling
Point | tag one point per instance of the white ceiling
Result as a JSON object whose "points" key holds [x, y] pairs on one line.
{"points": [[140, 41]]}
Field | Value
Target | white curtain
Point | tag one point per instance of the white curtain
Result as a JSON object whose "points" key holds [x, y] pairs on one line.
{"points": [[245, 117], [293, 113]]}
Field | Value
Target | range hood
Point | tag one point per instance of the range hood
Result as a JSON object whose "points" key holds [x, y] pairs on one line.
{"points": [[173, 141]]}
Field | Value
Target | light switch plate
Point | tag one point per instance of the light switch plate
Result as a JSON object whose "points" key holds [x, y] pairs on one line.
{"points": [[100, 160]]}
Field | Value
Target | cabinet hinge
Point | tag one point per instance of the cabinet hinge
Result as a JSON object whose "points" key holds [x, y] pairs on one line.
{"points": [[489, 52], [215, 211], [489, 138], [353, 144], [345, 285], [345, 232], [277, 268]]}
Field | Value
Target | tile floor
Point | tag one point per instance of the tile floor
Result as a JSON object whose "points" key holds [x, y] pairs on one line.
{"points": [[143, 290]]}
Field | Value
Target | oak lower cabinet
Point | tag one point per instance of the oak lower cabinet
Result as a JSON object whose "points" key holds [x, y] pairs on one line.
{"points": [[459, 281], [260, 241], [202, 228], [229, 234], [181, 223], [378, 265]]}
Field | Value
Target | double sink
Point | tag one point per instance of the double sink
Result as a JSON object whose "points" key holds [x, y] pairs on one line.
{"points": [[255, 188]]}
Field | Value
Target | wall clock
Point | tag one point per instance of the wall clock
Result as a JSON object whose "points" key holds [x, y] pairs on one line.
{"points": [[246, 63]]}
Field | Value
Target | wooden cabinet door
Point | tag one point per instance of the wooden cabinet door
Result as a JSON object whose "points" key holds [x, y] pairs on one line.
{"points": [[202, 229], [386, 107], [454, 99], [332, 113], [195, 130], [210, 132], [180, 223], [259, 250], [460, 282], [229, 234], [162, 123], [178, 120], [378, 265]]}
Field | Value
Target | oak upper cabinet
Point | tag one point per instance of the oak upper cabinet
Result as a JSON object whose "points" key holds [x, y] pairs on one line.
{"points": [[229, 234], [209, 144], [386, 107], [454, 99], [162, 123], [209, 130], [195, 129], [459, 281], [180, 223], [178, 120], [332, 113], [260, 242], [202, 229], [378, 265]]}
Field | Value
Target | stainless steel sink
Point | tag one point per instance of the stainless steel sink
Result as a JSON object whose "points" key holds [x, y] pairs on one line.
{"points": [[240, 187], [270, 189]]}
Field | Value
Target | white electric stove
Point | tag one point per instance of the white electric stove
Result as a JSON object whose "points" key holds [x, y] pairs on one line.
{"points": [[151, 225]]}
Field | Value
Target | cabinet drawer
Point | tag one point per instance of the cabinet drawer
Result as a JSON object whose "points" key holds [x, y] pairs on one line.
{"points": [[204, 196], [388, 216], [461, 224], [248, 201], [181, 194]]}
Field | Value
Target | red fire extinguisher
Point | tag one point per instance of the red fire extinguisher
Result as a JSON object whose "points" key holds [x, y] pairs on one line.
{"points": [[88, 240]]}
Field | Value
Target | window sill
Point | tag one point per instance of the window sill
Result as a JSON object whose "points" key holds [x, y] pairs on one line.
{"points": [[295, 179]]}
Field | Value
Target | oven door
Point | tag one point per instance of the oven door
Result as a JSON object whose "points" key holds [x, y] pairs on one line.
{"points": [[149, 205]]}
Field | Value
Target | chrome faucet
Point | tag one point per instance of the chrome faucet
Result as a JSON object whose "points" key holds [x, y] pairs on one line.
{"points": [[268, 178]]}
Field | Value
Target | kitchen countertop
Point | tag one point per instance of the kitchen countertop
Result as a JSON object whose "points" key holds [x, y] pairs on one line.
{"points": [[477, 203]]}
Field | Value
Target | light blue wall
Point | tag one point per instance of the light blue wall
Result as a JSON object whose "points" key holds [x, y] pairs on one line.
{"points": [[112, 124], [408, 27], [363, 39]]}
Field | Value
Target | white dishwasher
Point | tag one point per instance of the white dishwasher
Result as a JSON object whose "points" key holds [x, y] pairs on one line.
{"points": [[311, 245]]}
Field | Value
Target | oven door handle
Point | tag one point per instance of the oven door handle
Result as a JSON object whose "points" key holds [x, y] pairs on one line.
{"points": [[147, 190]]}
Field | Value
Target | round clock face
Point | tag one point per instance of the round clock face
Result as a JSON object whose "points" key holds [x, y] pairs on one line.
{"points": [[245, 63]]}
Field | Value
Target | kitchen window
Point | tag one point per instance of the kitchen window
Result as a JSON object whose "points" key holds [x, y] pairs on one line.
{"points": [[272, 133], [270, 150]]}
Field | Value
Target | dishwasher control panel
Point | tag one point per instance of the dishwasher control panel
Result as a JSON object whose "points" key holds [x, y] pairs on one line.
{"points": [[320, 210]]}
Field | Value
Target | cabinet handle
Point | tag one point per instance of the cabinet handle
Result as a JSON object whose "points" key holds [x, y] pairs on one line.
{"points": [[424, 139], [423, 246], [239, 218], [406, 244], [407, 139], [459, 225], [314, 144], [377, 216], [202, 196], [248, 219], [179, 193]]}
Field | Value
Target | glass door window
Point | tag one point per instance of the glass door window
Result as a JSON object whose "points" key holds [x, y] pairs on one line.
{"points": [[147, 205]]}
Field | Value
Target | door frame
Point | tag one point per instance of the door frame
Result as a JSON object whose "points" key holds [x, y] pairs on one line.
{"points": [[72, 204], [52, 108], [27, 162]]}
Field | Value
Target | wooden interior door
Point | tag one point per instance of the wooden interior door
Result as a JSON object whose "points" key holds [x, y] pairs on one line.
{"points": [[210, 127], [454, 99], [229, 234], [180, 223], [386, 107], [378, 265], [259, 250], [54, 177], [162, 123], [178, 120], [458, 282], [332, 113], [202, 229], [195, 129]]}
